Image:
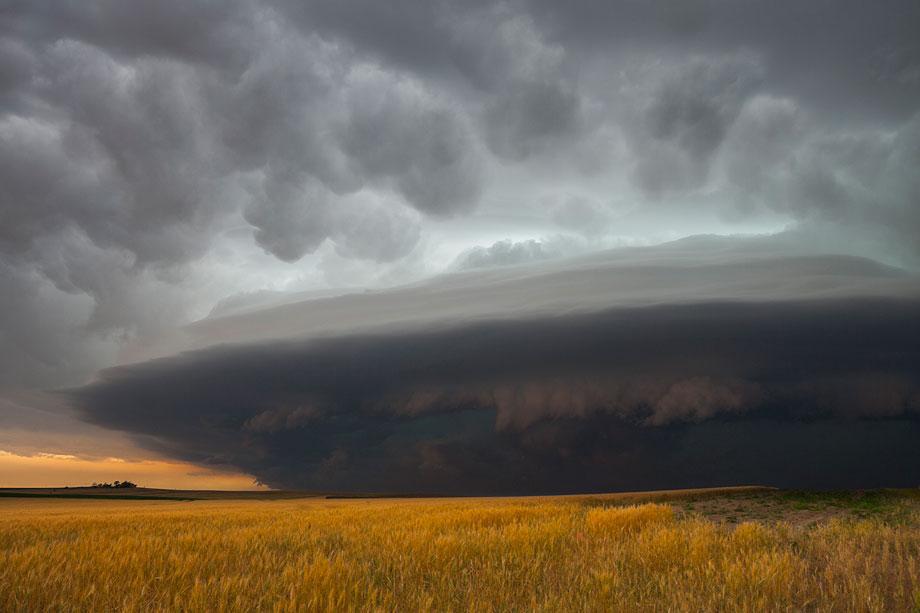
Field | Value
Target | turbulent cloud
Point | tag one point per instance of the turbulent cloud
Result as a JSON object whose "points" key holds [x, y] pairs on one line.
{"points": [[376, 231], [506, 253], [688, 118], [693, 270], [388, 398], [158, 157], [398, 132], [290, 219], [528, 403]]}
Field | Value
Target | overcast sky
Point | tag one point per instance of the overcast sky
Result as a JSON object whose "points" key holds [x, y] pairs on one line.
{"points": [[339, 244]]}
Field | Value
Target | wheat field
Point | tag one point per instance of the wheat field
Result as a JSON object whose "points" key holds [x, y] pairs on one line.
{"points": [[548, 554]]}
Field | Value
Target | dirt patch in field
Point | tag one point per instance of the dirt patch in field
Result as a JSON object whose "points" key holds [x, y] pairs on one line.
{"points": [[802, 508]]}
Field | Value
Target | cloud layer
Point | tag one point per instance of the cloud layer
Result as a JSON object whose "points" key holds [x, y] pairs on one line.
{"points": [[558, 401], [163, 157]]}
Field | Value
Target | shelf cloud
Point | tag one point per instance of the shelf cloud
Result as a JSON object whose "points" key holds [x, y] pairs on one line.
{"points": [[562, 398], [438, 174]]}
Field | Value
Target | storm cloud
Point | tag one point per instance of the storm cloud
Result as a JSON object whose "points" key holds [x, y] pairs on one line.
{"points": [[453, 165], [668, 393]]}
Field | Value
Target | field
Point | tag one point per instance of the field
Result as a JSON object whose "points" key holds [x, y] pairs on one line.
{"points": [[743, 550]]}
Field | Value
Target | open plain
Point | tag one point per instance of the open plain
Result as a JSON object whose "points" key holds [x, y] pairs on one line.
{"points": [[743, 549]]}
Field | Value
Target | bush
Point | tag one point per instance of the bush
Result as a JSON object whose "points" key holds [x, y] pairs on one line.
{"points": [[117, 484]]}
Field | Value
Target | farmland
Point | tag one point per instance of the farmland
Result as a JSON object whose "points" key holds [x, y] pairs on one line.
{"points": [[748, 549]]}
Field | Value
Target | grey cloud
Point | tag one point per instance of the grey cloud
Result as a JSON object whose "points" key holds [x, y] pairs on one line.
{"points": [[163, 137], [290, 219], [206, 31], [269, 109], [760, 142], [120, 162], [681, 371], [38, 346], [146, 142], [395, 32], [65, 312], [506, 253], [376, 231], [495, 49], [293, 219], [588, 218], [642, 398], [531, 118], [534, 106], [562, 396], [692, 270], [855, 58], [254, 300], [862, 180], [31, 153], [17, 65], [273, 118], [479, 43], [398, 132], [143, 147], [688, 118], [694, 107], [273, 420]]}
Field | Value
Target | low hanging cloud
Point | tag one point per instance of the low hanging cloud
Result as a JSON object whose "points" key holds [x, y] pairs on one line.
{"points": [[158, 157], [558, 401], [690, 113], [141, 135]]}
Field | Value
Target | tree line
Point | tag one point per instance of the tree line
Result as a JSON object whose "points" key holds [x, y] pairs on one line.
{"points": [[116, 484]]}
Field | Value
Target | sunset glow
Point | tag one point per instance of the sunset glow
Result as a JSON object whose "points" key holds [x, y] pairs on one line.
{"points": [[61, 470]]}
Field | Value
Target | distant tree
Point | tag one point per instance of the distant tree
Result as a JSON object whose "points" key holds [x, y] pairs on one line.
{"points": [[117, 484]]}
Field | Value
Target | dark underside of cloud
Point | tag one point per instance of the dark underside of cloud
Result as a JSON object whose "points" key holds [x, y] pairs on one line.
{"points": [[157, 156], [822, 393], [145, 145]]}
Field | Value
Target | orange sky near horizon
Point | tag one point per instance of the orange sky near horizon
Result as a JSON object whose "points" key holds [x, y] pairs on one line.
{"points": [[59, 470]]}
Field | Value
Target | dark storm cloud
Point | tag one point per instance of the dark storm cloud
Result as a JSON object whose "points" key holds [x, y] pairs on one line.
{"points": [[142, 142], [142, 125], [393, 131], [552, 404], [594, 372], [857, 179], [853, 57], [146, 145], [130, 136], [211, 32], [693, 270], [688, 118], [533, 116]]}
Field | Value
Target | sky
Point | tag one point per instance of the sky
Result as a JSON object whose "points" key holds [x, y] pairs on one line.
{"points": [[460, 247]]}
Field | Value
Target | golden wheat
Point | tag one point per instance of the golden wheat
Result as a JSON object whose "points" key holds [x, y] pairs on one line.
{"points": [[462, 554]]}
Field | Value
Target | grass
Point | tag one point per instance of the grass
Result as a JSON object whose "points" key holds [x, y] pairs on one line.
{"points": [[589, 553], [868, 502]]}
